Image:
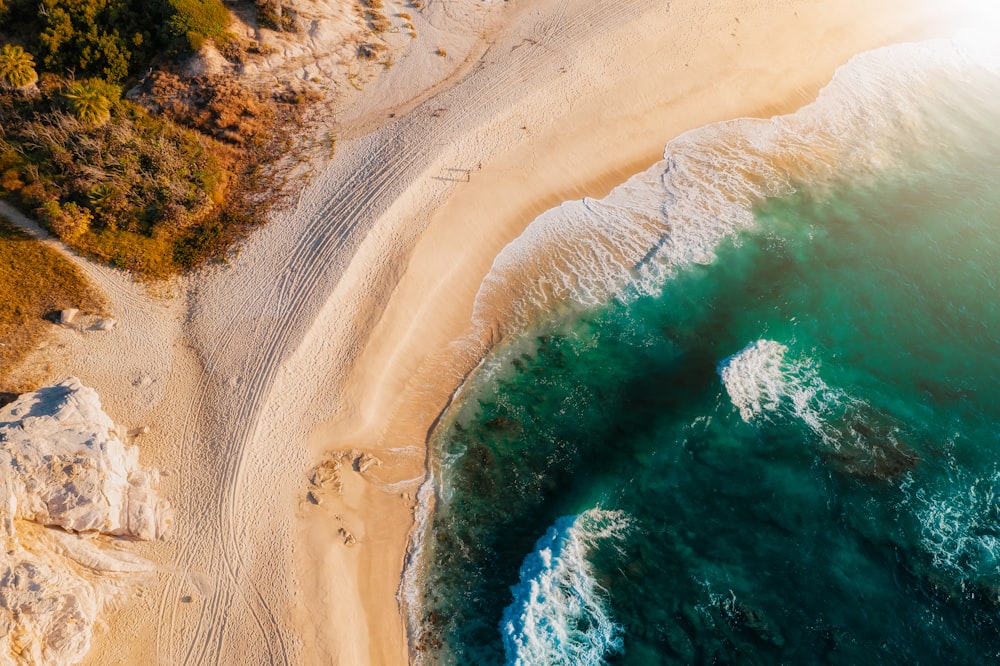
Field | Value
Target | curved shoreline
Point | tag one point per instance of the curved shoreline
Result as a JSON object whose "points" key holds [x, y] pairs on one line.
{"points": [[350, 311], [401, 400]]}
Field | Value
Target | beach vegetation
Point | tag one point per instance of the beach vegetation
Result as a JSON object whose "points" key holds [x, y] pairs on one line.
{"points": [[35, 282], [152, 194], [233, 48], [193, 22], [371, 51], [272, 14], [93, 38], [155, 184], [91, 101], [17, 66]]}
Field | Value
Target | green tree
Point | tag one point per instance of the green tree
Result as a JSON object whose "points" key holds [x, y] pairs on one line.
{"points": [[17, 66], [82, 35]]}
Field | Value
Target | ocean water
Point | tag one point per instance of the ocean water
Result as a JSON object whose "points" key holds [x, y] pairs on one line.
{"points": [[746, 409]]}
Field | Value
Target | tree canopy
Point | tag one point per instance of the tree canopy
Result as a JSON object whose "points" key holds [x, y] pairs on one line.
{"points": [[109, 39]]}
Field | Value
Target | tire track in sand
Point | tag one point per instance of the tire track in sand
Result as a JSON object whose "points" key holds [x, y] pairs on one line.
{"points": [[390, 160]]}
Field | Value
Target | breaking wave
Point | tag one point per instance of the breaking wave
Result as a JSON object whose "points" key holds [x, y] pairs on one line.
{"points": [[560, 613], [759, 381]]}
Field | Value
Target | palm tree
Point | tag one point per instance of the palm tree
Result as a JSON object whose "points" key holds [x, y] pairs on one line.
{"points": [[102, 195], [90, 106], [17, 67]]}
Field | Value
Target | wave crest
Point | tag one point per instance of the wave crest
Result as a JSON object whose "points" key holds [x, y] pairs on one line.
{"points": [[560, 613], [761, 381]]}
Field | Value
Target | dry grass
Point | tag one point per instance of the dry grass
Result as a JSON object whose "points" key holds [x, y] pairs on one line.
{"points": [[35, 281]]}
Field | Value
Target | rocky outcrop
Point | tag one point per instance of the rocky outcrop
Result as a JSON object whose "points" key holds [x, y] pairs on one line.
{"points": [[327, 474], [63, 463], [67, 483]]}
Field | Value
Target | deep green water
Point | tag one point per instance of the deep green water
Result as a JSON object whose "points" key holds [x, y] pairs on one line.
{"points": [[788, 455]]}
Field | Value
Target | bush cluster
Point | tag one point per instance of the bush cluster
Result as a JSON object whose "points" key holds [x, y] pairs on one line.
{"points": [[110, 39], [195, 21], [126, 191], [154, 193]]}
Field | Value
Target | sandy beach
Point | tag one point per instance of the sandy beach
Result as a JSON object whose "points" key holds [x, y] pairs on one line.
{"points": [[585, 134], [346, 322]]}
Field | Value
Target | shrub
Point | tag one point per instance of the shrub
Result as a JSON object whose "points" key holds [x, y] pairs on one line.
{"points": [[369, 51], [194, 21], [102, 196], [17, 66], [271, 14], [378, 22], [82, 35], [68, 221], [10, 180], [89, 102]]}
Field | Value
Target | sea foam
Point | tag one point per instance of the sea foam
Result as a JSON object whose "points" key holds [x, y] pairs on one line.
{"points": [[960, 525], [585, 252], [761, 382], [560, 613]]}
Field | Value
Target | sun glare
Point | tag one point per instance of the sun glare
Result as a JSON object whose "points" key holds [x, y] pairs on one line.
{"points": [[981, 14]]}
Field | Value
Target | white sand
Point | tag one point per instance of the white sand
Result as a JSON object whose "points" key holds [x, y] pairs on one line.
{"points": [[334, 327]]}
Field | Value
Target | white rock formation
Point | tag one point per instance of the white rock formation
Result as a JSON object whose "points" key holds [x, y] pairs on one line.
{"points": [[66, 478]]}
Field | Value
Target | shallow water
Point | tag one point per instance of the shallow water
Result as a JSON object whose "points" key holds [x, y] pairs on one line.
{"points": [[777, 442]]}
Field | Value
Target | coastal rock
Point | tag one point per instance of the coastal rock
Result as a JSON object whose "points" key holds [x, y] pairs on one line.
{"points": [[349, 539], [104, 324], [750, 620], [67, 316], [366, 461], [870, 447], [327, 474], [64, 465]]}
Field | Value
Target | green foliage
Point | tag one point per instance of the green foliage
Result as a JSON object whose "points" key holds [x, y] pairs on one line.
{"points": [[103, 196], [110, 39], [17, 66], [139, 192], [194, 21], [68, 220], [89, 102], [136, 192], [81, 35]]}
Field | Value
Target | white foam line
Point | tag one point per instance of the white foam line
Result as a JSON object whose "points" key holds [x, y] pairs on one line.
{"points": [[676, 213]]}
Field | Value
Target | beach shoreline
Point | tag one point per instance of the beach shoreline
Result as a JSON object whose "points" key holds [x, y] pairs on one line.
{"points": [[424, 344], [346, 323]]}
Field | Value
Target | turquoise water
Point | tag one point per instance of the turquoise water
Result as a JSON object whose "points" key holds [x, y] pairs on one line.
{"points": [[780, 447]]}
